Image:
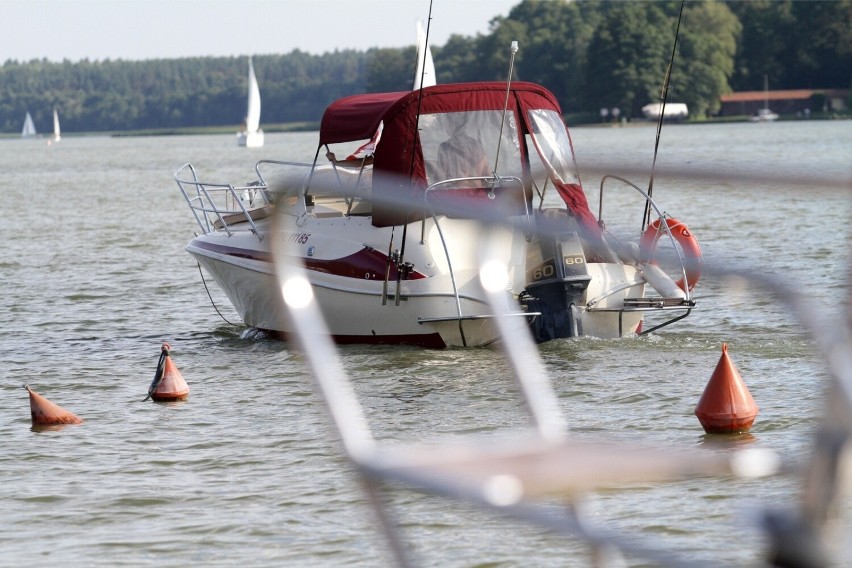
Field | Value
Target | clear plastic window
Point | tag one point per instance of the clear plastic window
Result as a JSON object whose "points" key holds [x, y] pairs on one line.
{"points": [[553, 145], [464, 144]]}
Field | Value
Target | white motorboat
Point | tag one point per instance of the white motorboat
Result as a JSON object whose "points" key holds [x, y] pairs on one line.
{"points": [[389, 241], [671, 111], [252, 136]]}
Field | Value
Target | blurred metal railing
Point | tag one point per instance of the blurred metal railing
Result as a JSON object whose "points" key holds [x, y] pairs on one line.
{"points": [[523, 474]]}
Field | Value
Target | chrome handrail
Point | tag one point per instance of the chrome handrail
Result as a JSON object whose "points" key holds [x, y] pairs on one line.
{"points": [[663, 228], [217, 203]]}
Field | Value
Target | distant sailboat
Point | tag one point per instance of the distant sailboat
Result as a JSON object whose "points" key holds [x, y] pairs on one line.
{"points": [[764, 114], [425, 65], [29, 130], [56, 135], [252, 136]]}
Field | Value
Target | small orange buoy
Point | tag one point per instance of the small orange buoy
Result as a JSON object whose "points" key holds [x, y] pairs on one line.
{"points": [[168, 384], [726, 405], [46, 413]]}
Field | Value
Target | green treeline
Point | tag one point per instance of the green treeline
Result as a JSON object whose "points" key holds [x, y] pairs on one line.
{"points": [[590, 53]]}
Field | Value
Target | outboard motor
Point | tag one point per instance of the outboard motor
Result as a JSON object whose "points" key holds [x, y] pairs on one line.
{"points": [[556, 279]]}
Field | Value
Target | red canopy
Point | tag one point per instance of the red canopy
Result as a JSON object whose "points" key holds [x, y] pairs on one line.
{"points": [[356, 117], [398, 160]]}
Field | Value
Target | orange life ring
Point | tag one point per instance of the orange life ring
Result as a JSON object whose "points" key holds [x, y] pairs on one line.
{"points": [[687, 241]]}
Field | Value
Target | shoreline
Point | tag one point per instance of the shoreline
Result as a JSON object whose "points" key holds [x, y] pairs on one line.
{"points": [[314, 126]]}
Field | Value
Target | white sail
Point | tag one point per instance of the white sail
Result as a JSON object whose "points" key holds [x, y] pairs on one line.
{"points": [[253, 114], [425, 65], [253, 135], [56, 134], [29, 128]]}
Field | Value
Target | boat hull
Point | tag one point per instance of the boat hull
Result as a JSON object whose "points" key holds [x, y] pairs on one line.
{"points": [[427, 313], [359, 306], [352, 316], [250, 139]]}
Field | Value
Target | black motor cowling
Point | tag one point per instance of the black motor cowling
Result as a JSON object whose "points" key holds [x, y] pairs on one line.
{"points": [[556, 279]]}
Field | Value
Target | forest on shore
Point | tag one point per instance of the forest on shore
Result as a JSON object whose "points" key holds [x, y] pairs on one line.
{"points": [[589, 53]]}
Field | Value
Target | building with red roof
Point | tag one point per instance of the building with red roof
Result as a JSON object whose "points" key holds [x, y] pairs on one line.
{"points": [[793, 101]]}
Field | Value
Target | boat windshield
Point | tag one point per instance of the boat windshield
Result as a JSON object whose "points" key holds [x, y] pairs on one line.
{"points": [[553, 145], [464, 144]]}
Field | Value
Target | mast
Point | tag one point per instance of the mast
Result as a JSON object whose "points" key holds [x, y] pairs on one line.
{"points": [[766, 91]]}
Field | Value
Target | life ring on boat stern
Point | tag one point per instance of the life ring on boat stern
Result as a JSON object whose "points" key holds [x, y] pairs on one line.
{"points": [[687, 241]]}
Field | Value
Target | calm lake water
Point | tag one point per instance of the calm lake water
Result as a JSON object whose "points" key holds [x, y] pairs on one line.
{"points": [[95, 279]]}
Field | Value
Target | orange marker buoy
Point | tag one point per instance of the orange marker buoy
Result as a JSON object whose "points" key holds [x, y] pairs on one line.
{"points": [[46, 413], [726, 405], [168, 384]]}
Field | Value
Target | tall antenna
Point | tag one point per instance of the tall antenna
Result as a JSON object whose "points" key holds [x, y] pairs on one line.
{"points": [[514, 50], [665, 95], [401, 259]]}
